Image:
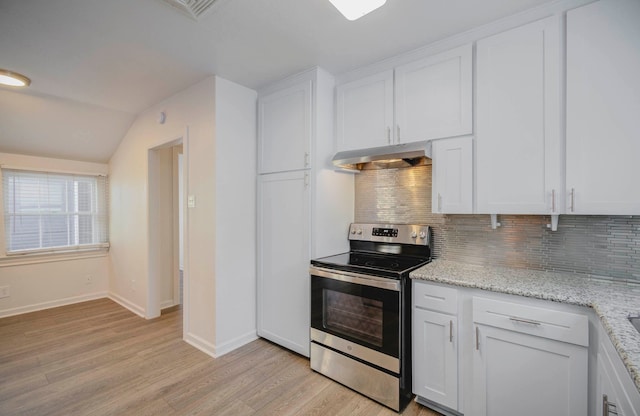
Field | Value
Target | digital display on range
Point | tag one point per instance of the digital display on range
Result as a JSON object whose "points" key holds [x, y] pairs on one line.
{"points": [[385, 232]]}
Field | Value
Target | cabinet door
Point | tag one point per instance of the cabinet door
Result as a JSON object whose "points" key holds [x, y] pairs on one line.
{"points": [[518, 147], [524, 375], [364, 112], [603, 86], [613, 380], [283, 259], [433, 96], [606, 391], [435, 357], [452, 191], [284, 130]]}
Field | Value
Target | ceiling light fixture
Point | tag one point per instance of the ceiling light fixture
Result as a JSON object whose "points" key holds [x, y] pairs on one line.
{"points": [[355, 9], [13, 79], [193, 8]]}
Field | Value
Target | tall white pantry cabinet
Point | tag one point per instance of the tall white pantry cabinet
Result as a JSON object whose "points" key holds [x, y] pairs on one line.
{"points": [[304, 206]]}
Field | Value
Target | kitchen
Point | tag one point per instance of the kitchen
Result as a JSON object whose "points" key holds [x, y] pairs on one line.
{"points": [[315, 222]]}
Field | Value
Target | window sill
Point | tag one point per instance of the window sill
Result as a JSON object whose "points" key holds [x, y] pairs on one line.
{"points": [[35, 258]]}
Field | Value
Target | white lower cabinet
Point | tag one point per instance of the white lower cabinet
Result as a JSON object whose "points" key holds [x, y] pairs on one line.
{"points": [[616, 393], [488, 354], [525, 375], [436, 355], [529, 360], [435, 346]]}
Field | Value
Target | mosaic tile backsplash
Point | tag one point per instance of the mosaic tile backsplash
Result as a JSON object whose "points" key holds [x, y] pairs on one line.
{"points": [[598, 246]]}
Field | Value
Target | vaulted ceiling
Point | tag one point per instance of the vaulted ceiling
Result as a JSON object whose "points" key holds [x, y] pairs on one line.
{"points": [[95, 64]]}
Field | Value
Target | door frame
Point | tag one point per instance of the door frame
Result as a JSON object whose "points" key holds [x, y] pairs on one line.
{"points": [[153, 309]]}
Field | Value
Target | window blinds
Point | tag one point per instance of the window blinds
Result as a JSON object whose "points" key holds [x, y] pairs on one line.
{"points": [[54, 212]]}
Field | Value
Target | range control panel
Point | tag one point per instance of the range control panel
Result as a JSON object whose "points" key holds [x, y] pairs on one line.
{"points": [[391, 233], [385, 232]]}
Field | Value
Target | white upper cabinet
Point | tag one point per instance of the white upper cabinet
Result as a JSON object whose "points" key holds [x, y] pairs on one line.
{"points": [[284, 126], [364, 113], [433, 96], [519, 153], [603, 105], [431, 99], [452, 191]]}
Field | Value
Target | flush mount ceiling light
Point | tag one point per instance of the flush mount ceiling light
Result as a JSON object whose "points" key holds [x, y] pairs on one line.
{"points": [[193, 8], [355, 9], [13, 79]]}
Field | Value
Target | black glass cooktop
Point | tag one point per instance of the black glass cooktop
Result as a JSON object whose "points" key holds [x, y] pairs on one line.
{"points": [[377, 264]]}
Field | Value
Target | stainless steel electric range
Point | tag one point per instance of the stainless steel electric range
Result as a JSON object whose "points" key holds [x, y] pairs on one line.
{"points": [[361, 310]]}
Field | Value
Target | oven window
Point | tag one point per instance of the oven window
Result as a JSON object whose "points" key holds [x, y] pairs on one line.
{"points": [[355, 316]]}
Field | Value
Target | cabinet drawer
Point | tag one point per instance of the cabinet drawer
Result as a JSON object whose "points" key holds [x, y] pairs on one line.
{"points": [[547, 323], [436, 298]]}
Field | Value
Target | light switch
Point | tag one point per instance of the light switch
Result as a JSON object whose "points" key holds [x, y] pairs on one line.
{"points": [[191, 201]]}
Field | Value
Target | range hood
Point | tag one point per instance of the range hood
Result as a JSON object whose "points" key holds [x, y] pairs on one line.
{"points": [[385, 157]]}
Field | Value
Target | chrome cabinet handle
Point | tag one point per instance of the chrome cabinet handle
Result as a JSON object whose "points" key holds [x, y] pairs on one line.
{"points": [[398, 133], [608, 408], [306, 180], [477, 339], [306, 159], [553, 200], [439, 202], [573, 200], [524, 321], [450, 331], [388, 135]]}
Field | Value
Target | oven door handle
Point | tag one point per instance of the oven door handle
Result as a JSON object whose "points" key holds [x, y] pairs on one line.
{"points": [[357, 278]]}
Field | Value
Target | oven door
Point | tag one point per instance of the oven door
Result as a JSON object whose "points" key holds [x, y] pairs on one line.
{"points": [[350, 311]]}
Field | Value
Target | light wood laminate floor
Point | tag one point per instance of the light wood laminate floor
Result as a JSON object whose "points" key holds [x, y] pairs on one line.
{"points": [[97, 358]]}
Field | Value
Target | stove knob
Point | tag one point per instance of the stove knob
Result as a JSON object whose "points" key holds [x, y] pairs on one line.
{"points": [[359, 231], [413, 234], [353, 231], [423, 235]]}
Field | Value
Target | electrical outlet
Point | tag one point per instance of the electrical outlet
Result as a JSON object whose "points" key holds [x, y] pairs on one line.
{"points": [[88, 279], [4, 292]]}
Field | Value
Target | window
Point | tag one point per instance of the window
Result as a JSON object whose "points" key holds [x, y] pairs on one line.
{"points": [[46, 212]]}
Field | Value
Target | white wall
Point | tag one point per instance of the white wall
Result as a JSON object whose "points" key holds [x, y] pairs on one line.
{"points": [[235, 215], [333, 199], [191, 110], [53, 280], [219, 155]]}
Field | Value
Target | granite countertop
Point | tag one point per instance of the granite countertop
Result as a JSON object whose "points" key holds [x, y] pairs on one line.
{"points": [[612, 301]]}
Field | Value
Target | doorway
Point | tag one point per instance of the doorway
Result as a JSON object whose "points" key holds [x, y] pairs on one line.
{"points": [[166, 179]]}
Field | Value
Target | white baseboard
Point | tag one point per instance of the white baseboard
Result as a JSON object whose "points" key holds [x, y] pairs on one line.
{"points": [[52, 304], [237, 342], [167, 304], [218, 351], [201, 344], [127, 304]]}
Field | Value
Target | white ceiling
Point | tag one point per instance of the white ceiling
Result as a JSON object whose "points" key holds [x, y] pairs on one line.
{"points": [[94, 64]]}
